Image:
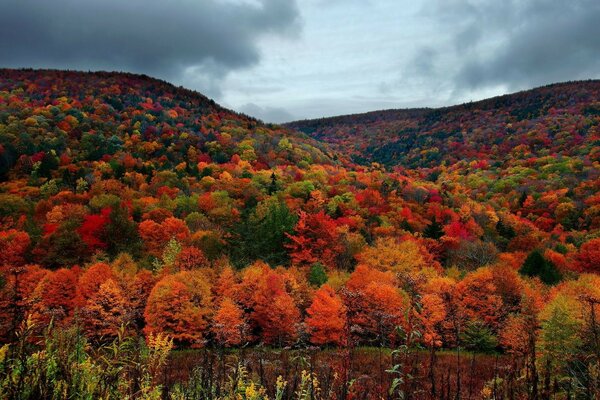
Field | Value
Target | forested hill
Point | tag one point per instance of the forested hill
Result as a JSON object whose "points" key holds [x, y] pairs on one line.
{"points": [[46, 115], [555, 120], [125, 201]]}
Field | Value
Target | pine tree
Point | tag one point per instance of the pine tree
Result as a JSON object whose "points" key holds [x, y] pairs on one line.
{"points": [[434, 230], [537, 265], [273, 185]]}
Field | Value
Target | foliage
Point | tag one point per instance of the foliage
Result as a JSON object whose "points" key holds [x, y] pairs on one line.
{"points": [[536, 265]]}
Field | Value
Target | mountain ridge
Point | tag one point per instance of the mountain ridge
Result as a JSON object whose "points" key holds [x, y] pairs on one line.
{"points": [[397, 137]]}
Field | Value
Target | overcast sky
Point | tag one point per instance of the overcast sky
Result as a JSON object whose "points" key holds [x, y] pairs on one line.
{"points": [[281, 60]]}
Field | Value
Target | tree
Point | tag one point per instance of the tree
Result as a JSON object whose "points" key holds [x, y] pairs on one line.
{"points": [[191, 258], [384, 311], [477, 336], [226, 283], [514, 335], [316, 239], [14, 245], [64, 246], [317, 275], [137, 292], [92, 278], [92, 230], [156, 236], [375, 305], [262, 234], [105, 312], [121, 233], [326, 318], [58, 296], [478, 299], [536, 265], [179, 305], [472, 254], [279, 320], [407, 259], [274, 310], [559, 336], [229, 325], [434, 230], [588, 258], [273, 185], [431, 314]]}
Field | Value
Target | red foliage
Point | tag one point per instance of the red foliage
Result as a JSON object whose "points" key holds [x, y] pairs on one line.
{"points": [[92, 227], [326, 320], [13, 246], [316, 239]]}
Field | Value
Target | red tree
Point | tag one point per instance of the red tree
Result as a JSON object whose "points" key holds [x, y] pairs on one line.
{"points": [[316, 239], [326, 320]]}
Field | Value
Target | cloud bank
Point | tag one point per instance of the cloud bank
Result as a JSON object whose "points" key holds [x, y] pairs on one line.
{"points": [[181, 40]]}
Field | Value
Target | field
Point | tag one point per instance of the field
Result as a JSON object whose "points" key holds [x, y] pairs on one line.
{"points": [[362, 373]]}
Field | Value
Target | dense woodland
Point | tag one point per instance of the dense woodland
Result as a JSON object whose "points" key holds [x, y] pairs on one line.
{"points": [[137, 218]]}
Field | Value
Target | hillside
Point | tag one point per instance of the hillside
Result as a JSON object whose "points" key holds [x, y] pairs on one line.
{"points": [[556, 120], [130, 207], [535, 152], [86, 117]]}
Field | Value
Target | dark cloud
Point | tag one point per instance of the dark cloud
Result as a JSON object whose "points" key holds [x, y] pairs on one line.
{"points": [[520, 43], [201, 40], [268, 114]]}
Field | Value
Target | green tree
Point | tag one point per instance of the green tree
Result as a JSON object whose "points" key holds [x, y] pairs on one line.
{"points": [[262, 235], [317, 275], [478, 337], [121, 233], [537, 265], [434, 230]]}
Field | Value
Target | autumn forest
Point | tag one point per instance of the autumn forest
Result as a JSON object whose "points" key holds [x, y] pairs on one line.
{"points": [[154, 245]]}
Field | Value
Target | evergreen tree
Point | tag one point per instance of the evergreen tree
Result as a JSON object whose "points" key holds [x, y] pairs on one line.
{"points": [[478, 337], [317, 276], [537, 265], [121, 233], [262, 237], [273, 185], [434, 230]]}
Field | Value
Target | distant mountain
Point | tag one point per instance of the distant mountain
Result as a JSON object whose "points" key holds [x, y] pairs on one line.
{"points": [[556, 120]]}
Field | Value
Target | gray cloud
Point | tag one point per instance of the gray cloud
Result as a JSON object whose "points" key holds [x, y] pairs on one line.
{"points": [[267, 114], [197, 41], [518, 44]]}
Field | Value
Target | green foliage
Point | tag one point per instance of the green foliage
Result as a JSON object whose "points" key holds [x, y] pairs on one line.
{"points": [[536, 265], [263, 233], [169, 256], [434, 230], [317, 275], [121, 233], [95, 145], [68, 367], [65, 246], [476, 336]]}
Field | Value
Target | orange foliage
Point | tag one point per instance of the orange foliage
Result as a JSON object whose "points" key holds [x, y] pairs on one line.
{"points": [[229, 325], [92, 278], [179, 305], [156, 235], [13, 245], [105, 311], [326, 320]]}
